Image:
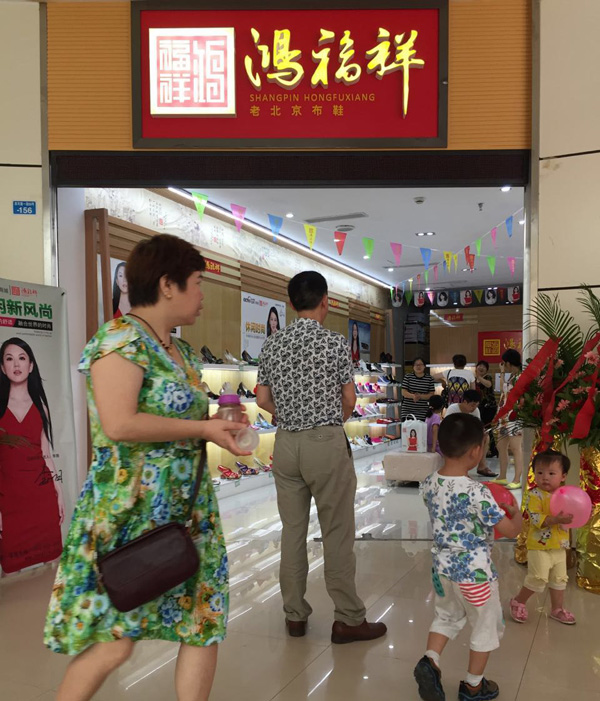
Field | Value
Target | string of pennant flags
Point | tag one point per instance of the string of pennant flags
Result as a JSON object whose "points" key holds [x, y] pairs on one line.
{"points": [[450, 258]]}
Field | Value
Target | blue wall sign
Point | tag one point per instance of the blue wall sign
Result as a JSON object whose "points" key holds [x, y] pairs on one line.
{"points": [[24, 207]]}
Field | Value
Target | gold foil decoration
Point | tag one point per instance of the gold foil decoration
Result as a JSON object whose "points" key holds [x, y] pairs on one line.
{"points": [[588, 537]]}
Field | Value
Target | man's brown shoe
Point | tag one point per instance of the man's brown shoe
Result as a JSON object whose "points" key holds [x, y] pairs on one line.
{"points": [[341, 633], [297, 629]]}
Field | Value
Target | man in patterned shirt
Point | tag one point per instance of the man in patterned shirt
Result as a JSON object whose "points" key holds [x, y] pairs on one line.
{"points": [[305, 379]]}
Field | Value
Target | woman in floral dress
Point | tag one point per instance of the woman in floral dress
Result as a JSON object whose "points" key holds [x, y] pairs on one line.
{"points": [[146, 412], [509, 432]]}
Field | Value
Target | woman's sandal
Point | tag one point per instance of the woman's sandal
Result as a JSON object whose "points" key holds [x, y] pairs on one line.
{"points": [[228, 474], [487, 473]]}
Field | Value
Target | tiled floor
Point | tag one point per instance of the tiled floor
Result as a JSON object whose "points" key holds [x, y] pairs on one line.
{"points": [[258, 662]]}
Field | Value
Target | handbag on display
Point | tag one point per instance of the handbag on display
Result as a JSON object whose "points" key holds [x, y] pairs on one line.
{"points": [[153, 563], [414, 435]]}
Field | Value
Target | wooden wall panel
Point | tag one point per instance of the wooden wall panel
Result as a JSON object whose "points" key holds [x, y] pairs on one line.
{"points": [[462, 338], [89, 83]]}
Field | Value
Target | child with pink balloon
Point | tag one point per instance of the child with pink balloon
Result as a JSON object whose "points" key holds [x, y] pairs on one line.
{"points": [[548, 538]]}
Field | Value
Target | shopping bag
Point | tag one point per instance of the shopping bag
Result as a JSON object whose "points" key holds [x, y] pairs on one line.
{"points": [[414, 435]]}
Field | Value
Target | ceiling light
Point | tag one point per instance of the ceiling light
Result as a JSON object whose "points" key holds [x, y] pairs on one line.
{"points": [[468, 270], [289, 215], [428, 289], [430, 233], [506, 188], [366, 257], [420, 233], [267, 233], [456, 304], [390, 270], [521, 222]]}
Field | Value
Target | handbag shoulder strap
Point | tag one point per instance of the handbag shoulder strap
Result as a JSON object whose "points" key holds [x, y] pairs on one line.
{"points": [[199, 473]]}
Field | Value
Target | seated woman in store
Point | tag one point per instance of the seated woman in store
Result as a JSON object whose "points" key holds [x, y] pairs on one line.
{"points": [[146, 408], [417, 388]]}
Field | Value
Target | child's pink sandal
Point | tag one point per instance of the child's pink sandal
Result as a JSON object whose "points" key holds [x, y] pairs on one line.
{"points": [[518, 611], [563, 616]]}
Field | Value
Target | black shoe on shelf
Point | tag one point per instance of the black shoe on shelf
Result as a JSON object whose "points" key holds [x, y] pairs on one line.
{"points": [[243, 391], [209, 357], [249, 359]]}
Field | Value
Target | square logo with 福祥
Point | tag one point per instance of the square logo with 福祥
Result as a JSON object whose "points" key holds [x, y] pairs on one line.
{"points": [[192, 71]]}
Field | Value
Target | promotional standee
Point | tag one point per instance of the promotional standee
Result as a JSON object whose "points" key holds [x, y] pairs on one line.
{"points": [[359, 338], [261, 317], [38, 476]]}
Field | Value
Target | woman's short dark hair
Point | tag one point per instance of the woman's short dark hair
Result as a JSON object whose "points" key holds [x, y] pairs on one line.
{"points": [[160, 255], [485, 364], [459, 361], [459, 433], [416, 360], [306, 290], [471, 395], [512, 356]]}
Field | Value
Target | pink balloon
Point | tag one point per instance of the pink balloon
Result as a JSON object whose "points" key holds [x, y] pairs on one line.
{"points": [[574, 501]]}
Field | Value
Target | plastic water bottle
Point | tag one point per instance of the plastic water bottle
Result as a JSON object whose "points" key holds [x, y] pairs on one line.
{"points": [[230, 409]]}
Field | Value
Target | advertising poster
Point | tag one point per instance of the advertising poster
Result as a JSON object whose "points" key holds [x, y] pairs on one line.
{"points": [[38, 476], [120, 294], [359, 338], [492, 344], [261, 317], [468, 297]]}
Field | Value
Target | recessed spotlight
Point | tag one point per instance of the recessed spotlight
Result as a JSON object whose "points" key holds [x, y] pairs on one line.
{"points": [[410, 620], [366, 257], [390, 270], [289, 215], [420, 233], [430, 233], [521, 222], [468, 270], [506, 188], [365, 677], [456, 304]]}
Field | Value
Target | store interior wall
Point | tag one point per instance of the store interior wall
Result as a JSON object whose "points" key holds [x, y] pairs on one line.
{"points": [[21, 142]]}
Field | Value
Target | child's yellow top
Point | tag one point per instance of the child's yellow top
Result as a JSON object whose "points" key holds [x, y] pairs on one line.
{"points": [[540, 537]]}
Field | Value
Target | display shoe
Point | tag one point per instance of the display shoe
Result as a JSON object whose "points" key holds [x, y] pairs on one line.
{"points": [[206, 389], [228, 474], [260, 419], [209, 357], [226, 388], [245, 470], [216, 481], [230, 358], [383, 381], [368, 440], [363, 366], [342, 633], [249, 359], [244, 391], [261, 465]]}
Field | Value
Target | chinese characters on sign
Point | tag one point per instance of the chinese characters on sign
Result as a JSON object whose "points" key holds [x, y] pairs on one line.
{"points": [[212, 266], [192, 71], [284, 67], [492, 344]]}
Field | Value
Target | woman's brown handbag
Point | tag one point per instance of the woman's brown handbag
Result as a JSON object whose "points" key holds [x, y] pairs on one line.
{"points": [[153, 563]]}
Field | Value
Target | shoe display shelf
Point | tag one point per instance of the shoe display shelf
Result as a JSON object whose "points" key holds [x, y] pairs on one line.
{"points": [[215, 376]]}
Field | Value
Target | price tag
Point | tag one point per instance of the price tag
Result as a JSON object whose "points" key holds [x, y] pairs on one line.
{"points": [[237, 483]]}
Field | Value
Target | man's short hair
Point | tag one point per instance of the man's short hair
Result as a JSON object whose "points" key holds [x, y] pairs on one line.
{"points": [[471, 395], [306, 290], [459, 433], [459, 361]]}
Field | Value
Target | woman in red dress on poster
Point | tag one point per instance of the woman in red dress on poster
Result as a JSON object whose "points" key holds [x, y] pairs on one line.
{"points": [[31, 502], [355, 344]]}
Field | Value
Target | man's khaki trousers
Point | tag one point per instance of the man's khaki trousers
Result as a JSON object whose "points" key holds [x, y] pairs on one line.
{"points": [[317, 463]]}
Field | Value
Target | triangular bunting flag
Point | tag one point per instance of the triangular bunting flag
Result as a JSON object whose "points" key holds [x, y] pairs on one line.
{"points": [[435, 272], [408, 296], [427, 277], [426, 254], [472, 261], [340, 239], [448, 259], [410, 283], [467, 254], [311, 234], [478, 247], [456, 262], [275, 223], [494, 233], [492, 263], [419, 281], [431, 296], [479, 295], [397, 251], [200, 201], [239, 213], [368, 245], [509, 227], [511, 264], [444, 266]]}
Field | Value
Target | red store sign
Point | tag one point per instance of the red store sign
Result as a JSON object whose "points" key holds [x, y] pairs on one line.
{"points": [[290, 77], [492, 344]]}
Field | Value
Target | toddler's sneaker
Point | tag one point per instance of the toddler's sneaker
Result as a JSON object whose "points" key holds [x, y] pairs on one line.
{"points": [[518, 611], [429, 679], [486, 690]]}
